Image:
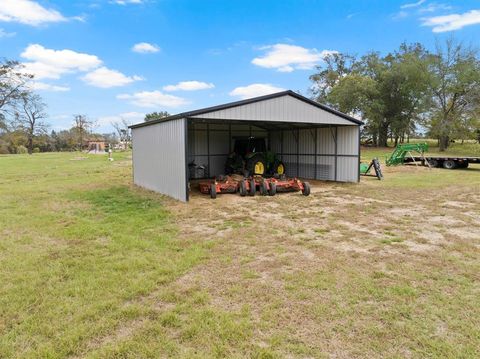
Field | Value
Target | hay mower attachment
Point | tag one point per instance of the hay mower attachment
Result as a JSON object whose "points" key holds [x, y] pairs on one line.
{"points": [[222, 184], [249, 186], [271, 186]]}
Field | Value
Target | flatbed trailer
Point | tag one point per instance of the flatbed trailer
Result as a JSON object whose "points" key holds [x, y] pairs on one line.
{"points": [[448, 162]]}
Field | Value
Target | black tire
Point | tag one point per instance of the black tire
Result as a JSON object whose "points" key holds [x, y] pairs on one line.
{"points": [[273, 189], [256, 165], [434, 163], [213, 191], [449, 164], [463, 165], [242, 189], [276, 166], [252, 188], [263, 189], [306, 189]]}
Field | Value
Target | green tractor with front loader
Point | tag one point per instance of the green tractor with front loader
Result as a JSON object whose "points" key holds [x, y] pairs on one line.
{"points": [[250, 157]]}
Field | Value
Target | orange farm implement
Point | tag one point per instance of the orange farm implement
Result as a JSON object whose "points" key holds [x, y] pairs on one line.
{"points": [[249, 186]]}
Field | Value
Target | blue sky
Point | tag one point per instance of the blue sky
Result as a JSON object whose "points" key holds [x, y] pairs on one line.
{"points": [[112, 59]]}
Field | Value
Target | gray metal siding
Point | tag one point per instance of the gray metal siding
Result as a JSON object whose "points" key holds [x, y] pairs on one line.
{"points": [[348, 140], [348, 154], [280, 109], [159, 158]]}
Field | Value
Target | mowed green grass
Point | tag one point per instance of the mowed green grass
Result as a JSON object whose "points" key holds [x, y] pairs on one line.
{"points": [[91, 266], [78, 249]]}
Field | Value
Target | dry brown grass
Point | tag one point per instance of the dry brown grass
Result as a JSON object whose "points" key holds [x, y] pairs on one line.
{"points": [[368, 270]]}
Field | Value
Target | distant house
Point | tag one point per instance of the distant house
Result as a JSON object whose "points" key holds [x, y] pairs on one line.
{"points": [[95, 144]]}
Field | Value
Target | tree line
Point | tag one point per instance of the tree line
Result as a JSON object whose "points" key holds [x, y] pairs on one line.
{"points": [[23, 126], [407, 92]]}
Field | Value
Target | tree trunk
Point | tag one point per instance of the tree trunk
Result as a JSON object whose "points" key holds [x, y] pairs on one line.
{"points": [[396, 141], [383, 135], [30, 145], [443, 141]]}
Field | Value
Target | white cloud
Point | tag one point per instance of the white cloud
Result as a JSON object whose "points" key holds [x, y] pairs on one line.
{"points": [[105, 78], [286, 58], [51, 64], [126, 2], [453, 21], [153, 99], [145, 48], [410, 5], [434, 7], [130, 117], [42, 86], [189, 86], [255, 90], [4, 33], [28, 12]]}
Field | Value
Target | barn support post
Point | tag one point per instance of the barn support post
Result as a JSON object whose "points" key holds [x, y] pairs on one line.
{"points": [[281, 145], [187, 171], [298, 150], [335, 139], [230, 149], [316, 154], [208, 150], [359, 156]]}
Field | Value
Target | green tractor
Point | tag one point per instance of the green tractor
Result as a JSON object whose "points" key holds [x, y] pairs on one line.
{"points": [[250, 157]]}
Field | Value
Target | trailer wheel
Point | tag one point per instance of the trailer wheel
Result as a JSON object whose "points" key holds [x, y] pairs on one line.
{"points": [[449, 164], [306, 188], [434, 163], [213, 191], [252, 188], [273, 189], [242, 189], [463, 165]]}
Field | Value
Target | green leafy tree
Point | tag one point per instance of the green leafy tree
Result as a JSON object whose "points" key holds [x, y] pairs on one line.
{"points": [[388, 92], [454, 81]]}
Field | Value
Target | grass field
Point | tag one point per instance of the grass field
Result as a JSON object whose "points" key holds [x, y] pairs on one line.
{"points": [[91, 266]]}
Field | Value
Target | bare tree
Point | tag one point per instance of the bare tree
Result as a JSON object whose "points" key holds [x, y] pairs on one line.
{"points": [[121, 127], [32, 112], [12, 85], [81, 126]]}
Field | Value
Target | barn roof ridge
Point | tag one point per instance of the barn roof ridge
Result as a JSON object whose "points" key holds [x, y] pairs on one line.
{"points": [[246, 102]]}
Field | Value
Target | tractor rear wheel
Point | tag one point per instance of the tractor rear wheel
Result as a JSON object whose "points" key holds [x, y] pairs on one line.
{"points": [[306, 188], [273, 189], [213, 191], [242, 188], [252, 188], [256, 165], [263, 189], [449, 164]]}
